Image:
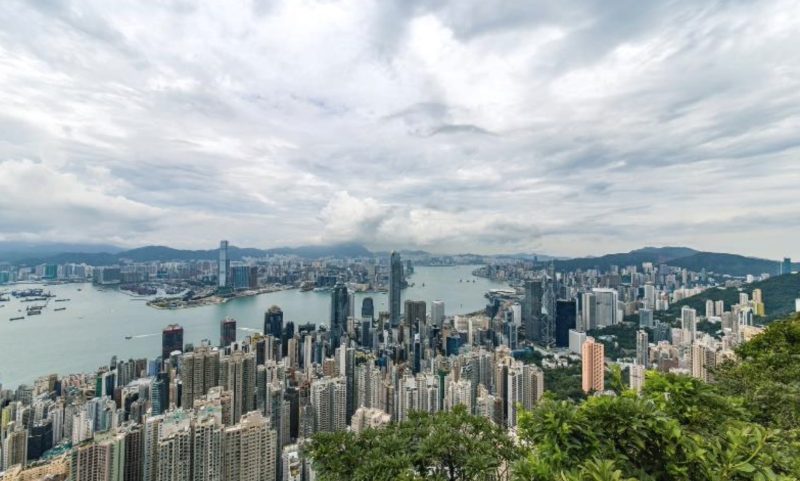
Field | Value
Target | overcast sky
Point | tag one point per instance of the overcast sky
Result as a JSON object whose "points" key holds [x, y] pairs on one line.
{"points": [[566, 128]]}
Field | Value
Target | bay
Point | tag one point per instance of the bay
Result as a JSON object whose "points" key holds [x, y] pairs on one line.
{"points": [[93, 327]]}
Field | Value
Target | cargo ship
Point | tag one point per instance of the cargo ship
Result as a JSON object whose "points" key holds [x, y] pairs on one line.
{"points": [[16, 318]]}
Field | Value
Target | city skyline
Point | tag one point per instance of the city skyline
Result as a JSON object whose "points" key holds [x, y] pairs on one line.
{"points": [[449, 127]]}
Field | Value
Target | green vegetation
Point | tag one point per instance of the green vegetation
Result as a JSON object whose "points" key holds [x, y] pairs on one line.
{"points": [[564, 383], [744, 427], [624, 343]]}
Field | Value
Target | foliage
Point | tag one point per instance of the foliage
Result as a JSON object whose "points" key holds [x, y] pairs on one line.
{"points": [[449, 446], [564, 382]]}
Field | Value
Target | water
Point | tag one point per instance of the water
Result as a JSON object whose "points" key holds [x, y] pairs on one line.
{"points": [[93, 327]]}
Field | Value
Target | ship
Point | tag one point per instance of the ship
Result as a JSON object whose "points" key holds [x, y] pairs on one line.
{"points": [[63, 300], [60, 309], [128, 337], [16, 318]]}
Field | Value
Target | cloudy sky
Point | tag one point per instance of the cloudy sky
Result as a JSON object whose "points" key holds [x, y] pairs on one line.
{"points": [[567, 128]]}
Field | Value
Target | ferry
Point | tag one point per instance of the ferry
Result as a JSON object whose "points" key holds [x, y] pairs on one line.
{"points": [[63, 300], [128, 337], [60, 309], [16, 318]]}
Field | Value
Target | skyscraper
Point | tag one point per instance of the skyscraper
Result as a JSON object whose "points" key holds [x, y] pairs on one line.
{"points": [[238, 375], [645, 317], [223, 265], [339, 310], [437, 313], [566, 316], [593, 368], [199, 373], [532, 309], [414, 313], [786, 266], [642, 349], [367, 309], [227, 332], [250, 450], [395, 286], [171, 340], [607, 308], [273, 322], [689, 323]]}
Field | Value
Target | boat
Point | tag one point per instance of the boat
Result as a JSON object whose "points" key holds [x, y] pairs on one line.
{"points": [[79, 289], [16, 318], [60, 309], [34, 312], [63, 300], [128, 337]]}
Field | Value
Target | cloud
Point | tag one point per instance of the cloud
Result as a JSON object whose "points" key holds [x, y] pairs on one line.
{"points": [[446, 125]]}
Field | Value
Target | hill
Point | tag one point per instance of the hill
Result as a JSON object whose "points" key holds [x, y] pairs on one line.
{"points": [[163, 254], [684, 257], [15, 251], [779, 294]]}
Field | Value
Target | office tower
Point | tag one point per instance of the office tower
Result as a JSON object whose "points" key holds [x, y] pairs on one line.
{"points": [[689, 323], [199, 373], [243, 277], [516, 312], [339, 309], [786, 266], [238, 375], [249, 450], [273, 322], [414, 314], [396, 279], [367, 309], [223, 265], [649, 296], [588, 312], [40, 439], [329, 401], [286, 334], [227, 332], [593, 368], [171, 340], [437, 313], [511, 334], [532, 309], [566, 319], [645, 317], [607, 307], [642, 349], [207, 442]]}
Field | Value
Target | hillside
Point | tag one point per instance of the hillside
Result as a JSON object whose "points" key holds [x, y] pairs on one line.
{"points": [[779, 294], [163, 253], [719, 263]]}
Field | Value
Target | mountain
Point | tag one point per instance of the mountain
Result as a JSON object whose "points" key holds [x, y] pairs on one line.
{"points": [[15, 251], [779, 294], [656, 255], [163, 253], [719, 263]]}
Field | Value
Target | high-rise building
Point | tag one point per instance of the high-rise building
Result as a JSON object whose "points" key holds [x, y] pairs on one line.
{"points": [[250, 450], [199, 373], [607, 307], [437, 313], [396, 279], [566, 318], [207, 443], [329, 401], [223, 265], [593, 366], [367, 309], [645, 317], [171, 340], [15, 446], [642, 349], [532, 309], [100, 460], [414, 313], [339, 311], [637, 377], [649, 296], [786, 266], [689, 324], [273, 322], [238, 375], [588, 312], [227, 332], [243, 277]]}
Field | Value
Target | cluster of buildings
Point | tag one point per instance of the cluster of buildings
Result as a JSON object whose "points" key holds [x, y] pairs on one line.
{"points": [[241, 409]]}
